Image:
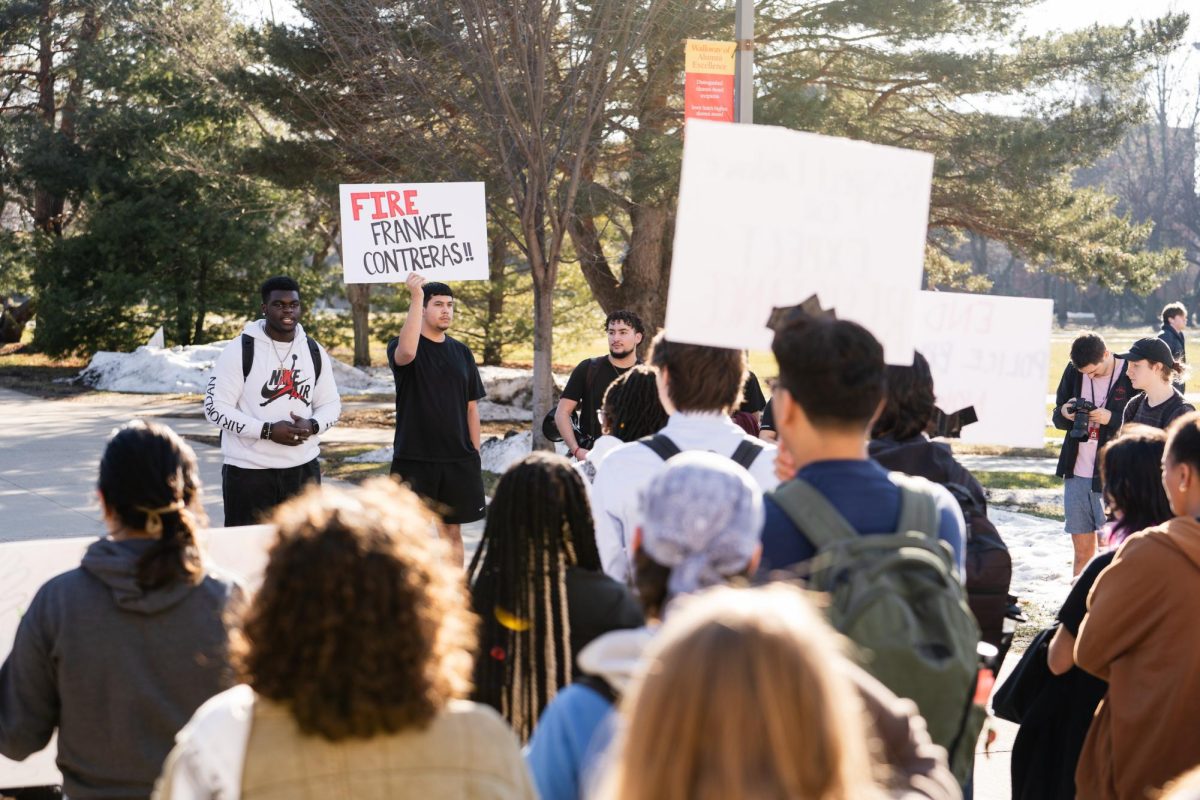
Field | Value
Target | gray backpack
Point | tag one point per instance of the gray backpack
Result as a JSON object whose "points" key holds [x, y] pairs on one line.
{"points": [[898, 598]]}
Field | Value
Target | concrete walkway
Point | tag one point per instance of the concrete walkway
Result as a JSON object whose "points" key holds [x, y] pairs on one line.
{"points": [[50, 456]]}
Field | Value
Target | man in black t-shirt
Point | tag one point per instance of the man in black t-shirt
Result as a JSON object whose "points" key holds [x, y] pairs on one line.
{"points": [[437, 416], [589, 380]]}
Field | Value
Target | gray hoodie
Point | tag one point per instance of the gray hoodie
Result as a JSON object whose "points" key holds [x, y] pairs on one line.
{"points": [[117, 670]]}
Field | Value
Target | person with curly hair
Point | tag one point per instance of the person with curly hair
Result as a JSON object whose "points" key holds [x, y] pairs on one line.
{"points": [[631, 411], [356, 656], [537, 586], [118, 653]]}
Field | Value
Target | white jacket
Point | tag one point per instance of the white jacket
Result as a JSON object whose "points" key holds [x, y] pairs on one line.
{"points": [[623, 474], [239, 406]]}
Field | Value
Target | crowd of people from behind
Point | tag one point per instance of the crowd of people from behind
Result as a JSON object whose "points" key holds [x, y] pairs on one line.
{"points": [[715, 596]]}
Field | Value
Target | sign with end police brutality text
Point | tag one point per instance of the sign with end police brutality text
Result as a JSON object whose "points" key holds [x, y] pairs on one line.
{"points": [[769, 217], [392, 229], [991, 353]]}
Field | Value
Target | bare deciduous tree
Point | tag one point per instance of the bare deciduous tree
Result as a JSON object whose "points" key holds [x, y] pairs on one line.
{"points": [[513, 92]]}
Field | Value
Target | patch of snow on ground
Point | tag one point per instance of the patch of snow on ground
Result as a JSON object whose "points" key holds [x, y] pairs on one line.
{"points": [[1041, 555], [501, 453], [185, 370], [382, 455], [1025, 497], [157, 370], [497, 454]]}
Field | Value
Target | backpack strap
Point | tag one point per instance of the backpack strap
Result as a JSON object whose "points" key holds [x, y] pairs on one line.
{"points": [[661, 445], [746, 452], [918, 506], [592, 370], [1135, 405], [809, 511], [247, 355], [315, 352]]}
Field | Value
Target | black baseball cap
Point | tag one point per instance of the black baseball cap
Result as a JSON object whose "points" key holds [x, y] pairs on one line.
{"points": [[1150, 349]]}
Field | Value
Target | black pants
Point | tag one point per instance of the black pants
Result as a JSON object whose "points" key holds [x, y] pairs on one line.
{"points": [[251, 494]]}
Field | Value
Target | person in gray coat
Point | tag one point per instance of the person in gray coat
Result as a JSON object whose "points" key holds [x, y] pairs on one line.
{"points": [[118, 653]]}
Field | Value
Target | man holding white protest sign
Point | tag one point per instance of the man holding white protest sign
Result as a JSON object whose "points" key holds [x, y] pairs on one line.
{"points": [[425, 234], [436, 448]]}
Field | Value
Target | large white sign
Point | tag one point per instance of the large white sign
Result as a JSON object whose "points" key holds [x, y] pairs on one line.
{"points": [[992, 353], [25, 566], [436, 229], [768, 217]]}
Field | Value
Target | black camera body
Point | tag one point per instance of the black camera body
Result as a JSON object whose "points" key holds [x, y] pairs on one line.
{"points": [[1081, 408]]}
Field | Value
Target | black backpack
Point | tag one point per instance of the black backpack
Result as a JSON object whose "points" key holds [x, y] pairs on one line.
{"points": [[989, 569], [248, 362], [550, 429], [248, 356]]}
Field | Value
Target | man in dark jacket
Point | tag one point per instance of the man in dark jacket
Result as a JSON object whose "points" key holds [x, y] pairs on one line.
{"points": [[1099, 377], [1174, 320]]}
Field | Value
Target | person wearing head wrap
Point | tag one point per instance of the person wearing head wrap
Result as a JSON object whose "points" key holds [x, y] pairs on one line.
{"points": [[701, 523]]}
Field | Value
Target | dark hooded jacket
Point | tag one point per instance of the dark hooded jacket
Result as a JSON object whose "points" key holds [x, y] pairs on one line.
{"points": [[1071, 387], [1175, 340], [117, 670]]}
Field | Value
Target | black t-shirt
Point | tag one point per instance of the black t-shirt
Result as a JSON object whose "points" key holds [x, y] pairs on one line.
{"points": [[752, 395], [1160, 416], [432, 393], [590, 394], [768, 417]]}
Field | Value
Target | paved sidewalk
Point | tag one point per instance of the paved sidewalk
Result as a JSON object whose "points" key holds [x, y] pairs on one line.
{"points": [[50, 456]]}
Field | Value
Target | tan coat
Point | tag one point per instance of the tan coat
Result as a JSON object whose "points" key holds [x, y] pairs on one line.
{"points": [[467, 753], [1140, 635], [243, 747]]}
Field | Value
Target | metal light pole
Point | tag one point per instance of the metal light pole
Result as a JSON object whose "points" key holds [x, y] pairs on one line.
{"points": [[743, 70]]}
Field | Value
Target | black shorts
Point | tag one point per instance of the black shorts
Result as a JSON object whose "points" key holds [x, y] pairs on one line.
{"points": [[454, 489]]}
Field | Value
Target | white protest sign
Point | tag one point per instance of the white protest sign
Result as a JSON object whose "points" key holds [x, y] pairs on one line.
{"points": [[768, 217], [992, 353], [390, 230], [25, 566]]}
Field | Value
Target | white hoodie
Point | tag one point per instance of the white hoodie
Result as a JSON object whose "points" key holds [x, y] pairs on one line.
{"points": [[272, 390]]}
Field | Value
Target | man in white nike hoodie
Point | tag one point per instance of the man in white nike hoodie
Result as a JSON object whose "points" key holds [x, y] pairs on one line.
{"points": [[270, 416]]}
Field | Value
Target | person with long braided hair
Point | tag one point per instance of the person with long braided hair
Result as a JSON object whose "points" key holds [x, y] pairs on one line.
{"points": [[631, 411], [537, 586]]}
